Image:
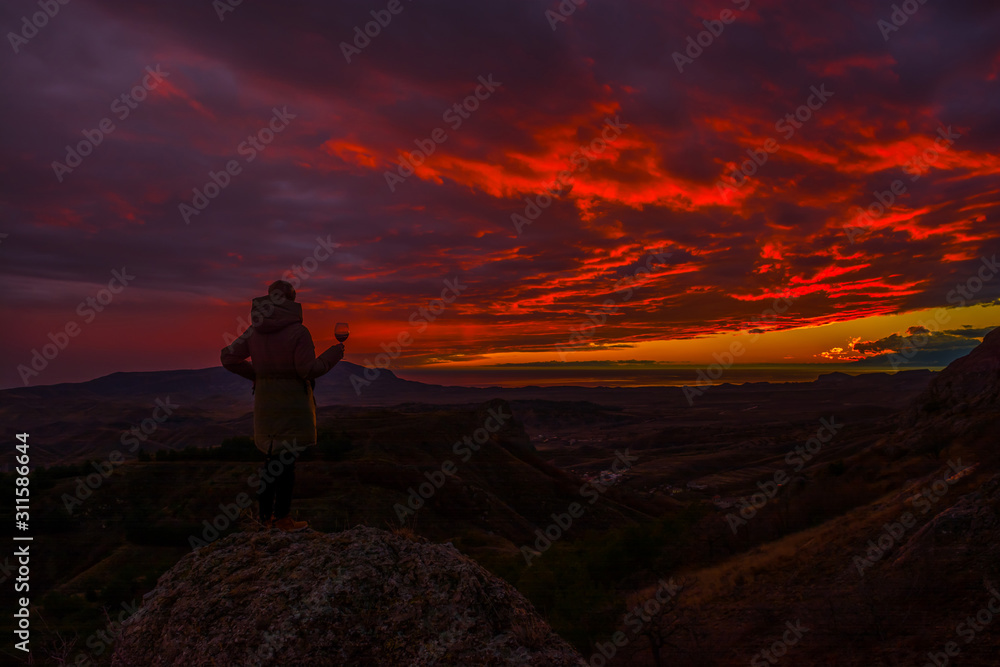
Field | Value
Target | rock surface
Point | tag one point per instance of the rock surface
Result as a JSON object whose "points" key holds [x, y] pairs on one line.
{"points": [[961, 404], [360, 597], [964, 398], [966, 531]]}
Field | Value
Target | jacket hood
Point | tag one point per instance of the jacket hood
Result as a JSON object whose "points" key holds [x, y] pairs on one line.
{"points": [[274, 316]]}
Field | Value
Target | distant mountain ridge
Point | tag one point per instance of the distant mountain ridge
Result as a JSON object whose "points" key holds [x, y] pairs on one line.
{"points": [[207, 383], [76, 421]]}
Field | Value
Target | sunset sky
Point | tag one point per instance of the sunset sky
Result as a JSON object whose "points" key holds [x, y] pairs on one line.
{"points": [[682, 189]]}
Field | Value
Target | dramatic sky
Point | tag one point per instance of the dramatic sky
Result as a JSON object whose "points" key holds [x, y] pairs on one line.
{"points": [[651, 232]]}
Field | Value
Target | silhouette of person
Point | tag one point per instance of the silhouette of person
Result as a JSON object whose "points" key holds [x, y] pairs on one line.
{"points": [[284, 369]]}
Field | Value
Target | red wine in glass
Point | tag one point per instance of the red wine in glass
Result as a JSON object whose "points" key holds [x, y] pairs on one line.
{"points": [[341, 331]]}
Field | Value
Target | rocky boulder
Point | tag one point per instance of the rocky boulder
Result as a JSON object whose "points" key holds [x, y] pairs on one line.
{"points": [[360, 597]]}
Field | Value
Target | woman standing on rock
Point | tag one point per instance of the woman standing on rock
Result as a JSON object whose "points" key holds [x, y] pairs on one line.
{"points": [[284, 368]]}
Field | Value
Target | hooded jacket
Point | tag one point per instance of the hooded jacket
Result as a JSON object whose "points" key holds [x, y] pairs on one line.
{"points": [[283, 364]]}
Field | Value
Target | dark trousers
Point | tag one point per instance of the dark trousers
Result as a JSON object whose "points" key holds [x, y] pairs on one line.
{"points": [[276, 495]]}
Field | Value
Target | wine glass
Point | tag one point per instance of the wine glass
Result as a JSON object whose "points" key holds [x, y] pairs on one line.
{"points": [[341, 331]]}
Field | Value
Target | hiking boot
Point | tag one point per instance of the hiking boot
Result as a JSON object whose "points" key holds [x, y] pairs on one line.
{"points": [[289, 525]]}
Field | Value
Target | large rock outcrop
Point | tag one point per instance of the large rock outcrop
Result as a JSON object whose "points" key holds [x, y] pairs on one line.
{"points": [[963, 399], [361, 597]]}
